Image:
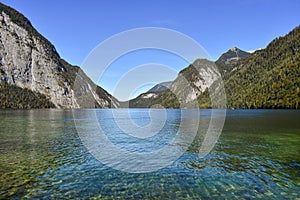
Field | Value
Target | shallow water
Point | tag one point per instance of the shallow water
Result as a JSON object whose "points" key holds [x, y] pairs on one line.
{"points": [[256, 156]]}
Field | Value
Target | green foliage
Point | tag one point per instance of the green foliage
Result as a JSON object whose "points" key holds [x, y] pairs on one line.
{"points": [[204, 100], [269, 78], [163, 98], [166, 99], [138, 102], [18, 98]]}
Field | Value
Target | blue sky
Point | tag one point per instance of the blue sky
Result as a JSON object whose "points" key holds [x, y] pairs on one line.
{"points": [[77, 27]]}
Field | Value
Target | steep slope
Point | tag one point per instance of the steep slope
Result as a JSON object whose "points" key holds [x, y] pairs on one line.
{"points": [[268, 78], [198, 82], [229, 59], [29, 61], [189, 84], [194, 80]]}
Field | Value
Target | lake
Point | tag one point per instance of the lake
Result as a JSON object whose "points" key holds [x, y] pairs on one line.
{"points": [[43, 157]]}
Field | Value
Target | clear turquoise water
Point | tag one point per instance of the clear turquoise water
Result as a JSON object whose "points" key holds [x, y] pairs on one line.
{"points": [[257, 156]]}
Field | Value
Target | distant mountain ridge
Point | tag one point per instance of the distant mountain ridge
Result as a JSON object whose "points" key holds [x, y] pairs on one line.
{"points": [[200, 76], [160, 87], [32, 75], [266, 78], [29, 61], [144, 100]]}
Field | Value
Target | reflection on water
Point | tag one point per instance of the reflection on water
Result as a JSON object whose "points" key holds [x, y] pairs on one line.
{"points": [[108, 134], [257, 156]]}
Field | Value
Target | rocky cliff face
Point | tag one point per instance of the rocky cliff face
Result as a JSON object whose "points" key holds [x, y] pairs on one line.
{"points": [[190, 83], [194, 80], [28, 60], [267, 78]]}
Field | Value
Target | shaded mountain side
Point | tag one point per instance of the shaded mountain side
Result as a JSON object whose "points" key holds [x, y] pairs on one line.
{"points": [[183, 91], [38, 78], [267, 78], [29, 61], [82, 93], [199, 81], [14, 97]]}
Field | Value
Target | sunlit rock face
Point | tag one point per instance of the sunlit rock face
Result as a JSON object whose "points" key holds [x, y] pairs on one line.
{"points": [[28, 60]]}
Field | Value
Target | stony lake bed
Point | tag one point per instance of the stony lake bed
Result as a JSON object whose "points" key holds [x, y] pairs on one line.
{"points": [[256, 156]]}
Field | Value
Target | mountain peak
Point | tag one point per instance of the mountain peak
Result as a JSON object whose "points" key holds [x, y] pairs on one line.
{"points": [[231, 56], [227, 60], [234, 48]]}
